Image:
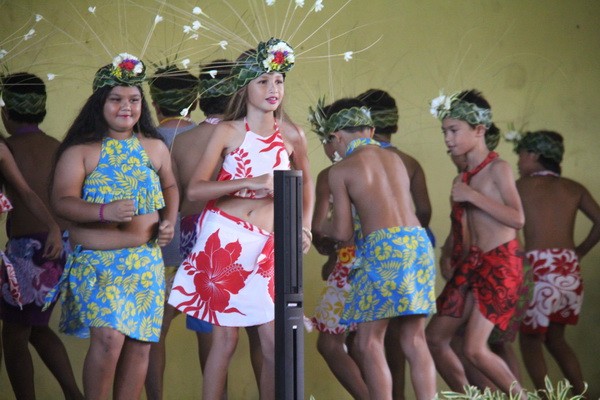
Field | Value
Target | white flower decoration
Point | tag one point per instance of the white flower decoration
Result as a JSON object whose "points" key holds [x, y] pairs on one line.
{"points": [[513, 136], [196, 25], [185, 63], [348, 55], [185, 112], [318, 5], [300, 3], [195, 36], [440, 103], [139, 67], [92, 10], [213, 73], [38, 17], [197, 11], [223, 44], [158, 19], [3, 53], [50, 76], [2, 104], [29, 34], [187, 29], [270, 2]]}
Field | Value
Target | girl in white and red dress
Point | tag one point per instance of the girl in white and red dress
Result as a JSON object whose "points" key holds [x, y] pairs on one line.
{"points": [[228, 278]]}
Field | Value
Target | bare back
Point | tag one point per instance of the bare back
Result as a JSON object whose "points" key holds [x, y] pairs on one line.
{"points": [[34, 154], [378, 186], [550, 205]]}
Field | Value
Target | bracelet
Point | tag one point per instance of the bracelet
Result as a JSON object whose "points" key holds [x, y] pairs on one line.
{"points": [[308, 232], [101, 213]]}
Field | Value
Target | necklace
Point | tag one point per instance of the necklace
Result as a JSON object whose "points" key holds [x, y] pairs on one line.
{"points": [[164, 121]]}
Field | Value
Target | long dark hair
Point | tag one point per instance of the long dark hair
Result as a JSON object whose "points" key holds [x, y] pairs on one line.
{"points": [[90, 126]]}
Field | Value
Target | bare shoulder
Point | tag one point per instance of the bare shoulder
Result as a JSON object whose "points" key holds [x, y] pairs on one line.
{"points": [[501, 169], [291, 132]]}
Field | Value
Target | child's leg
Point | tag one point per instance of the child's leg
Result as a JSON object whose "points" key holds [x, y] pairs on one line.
{"points": [[345, 369], [53, 353], [477, 352], [395, 358], [131, 369], [224, 342], [564, 356], [158, 354], [506, 352], [439, 332], [414, 346], [101, 362], [532, 351], [19, 364], [369, 344], [474, 376], [266, 333], [256, 356]]}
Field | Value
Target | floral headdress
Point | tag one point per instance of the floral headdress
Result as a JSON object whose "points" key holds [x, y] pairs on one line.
{"points": [[125, 70], [275, 55], [173, 99], [346, 118], [23, 103], [539, 142], [454, 107], [216, 86]]}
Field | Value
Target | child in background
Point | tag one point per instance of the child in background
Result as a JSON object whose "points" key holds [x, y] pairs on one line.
{"points": [[551, 203], [483, 290]]}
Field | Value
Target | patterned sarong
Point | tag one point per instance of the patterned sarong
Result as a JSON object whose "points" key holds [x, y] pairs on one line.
{"points": [[122, 289], [228, 278], [329, 311], [558, 290], [393, 276], [495, 277]]}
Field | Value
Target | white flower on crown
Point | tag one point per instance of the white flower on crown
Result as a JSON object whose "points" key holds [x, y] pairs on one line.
{"points": [[513, 136], [270, 2], [281, 48], [185, 63], [187, 29], [50, 76], [318, 5], [38, 17], [348, 55], [197, 11], [440, 103], [3, 53], [300, 3], [158, 19], [184, 112], [92, 9], [224, 44], [196, 25], [2, 103], [213, 73]]}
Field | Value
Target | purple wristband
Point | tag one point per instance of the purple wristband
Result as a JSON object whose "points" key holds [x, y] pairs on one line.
{"points": [[101, 212]]}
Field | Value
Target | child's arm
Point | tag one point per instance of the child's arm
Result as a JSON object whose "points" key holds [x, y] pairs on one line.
{"points": [[323, 245], [168, 214], [591, 209], [510, 211], [8, 166], [339, 226], [420, 196], [300, 162]]}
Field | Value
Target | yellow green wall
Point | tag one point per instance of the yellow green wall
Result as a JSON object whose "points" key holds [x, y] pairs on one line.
{"points": [[536, 61]]}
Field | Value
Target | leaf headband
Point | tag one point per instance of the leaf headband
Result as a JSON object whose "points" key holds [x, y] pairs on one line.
{"points": [[23, 103], [385, 118], [125, 70], [540, 143], [453, 107], [343, 119], [173, 99], [273, 56]]}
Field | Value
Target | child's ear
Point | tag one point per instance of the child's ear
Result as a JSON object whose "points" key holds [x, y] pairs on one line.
{"points": [[371, 132], [480, 130]]}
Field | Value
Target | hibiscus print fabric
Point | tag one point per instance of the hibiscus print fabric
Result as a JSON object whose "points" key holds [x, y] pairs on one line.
{"points": [[228, 278], [558, 289]]}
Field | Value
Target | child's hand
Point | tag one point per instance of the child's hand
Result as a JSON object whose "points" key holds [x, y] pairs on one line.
{"points": [[261, 182], [54, 244], [461, 192], [165, 233], [119, 211]]}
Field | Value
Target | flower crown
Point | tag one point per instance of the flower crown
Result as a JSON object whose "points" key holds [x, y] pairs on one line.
{"points": [[23, 103], [173, 99], [273, 56], [125, 70], [346, 118], [454, 107], [216, 86]]}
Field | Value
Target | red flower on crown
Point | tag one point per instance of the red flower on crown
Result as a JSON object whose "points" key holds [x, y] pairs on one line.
{"points": [[128, 65], [279, 57]]}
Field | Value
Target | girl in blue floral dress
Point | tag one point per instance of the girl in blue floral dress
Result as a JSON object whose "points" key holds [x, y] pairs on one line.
{"points": [[113, 181]]}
